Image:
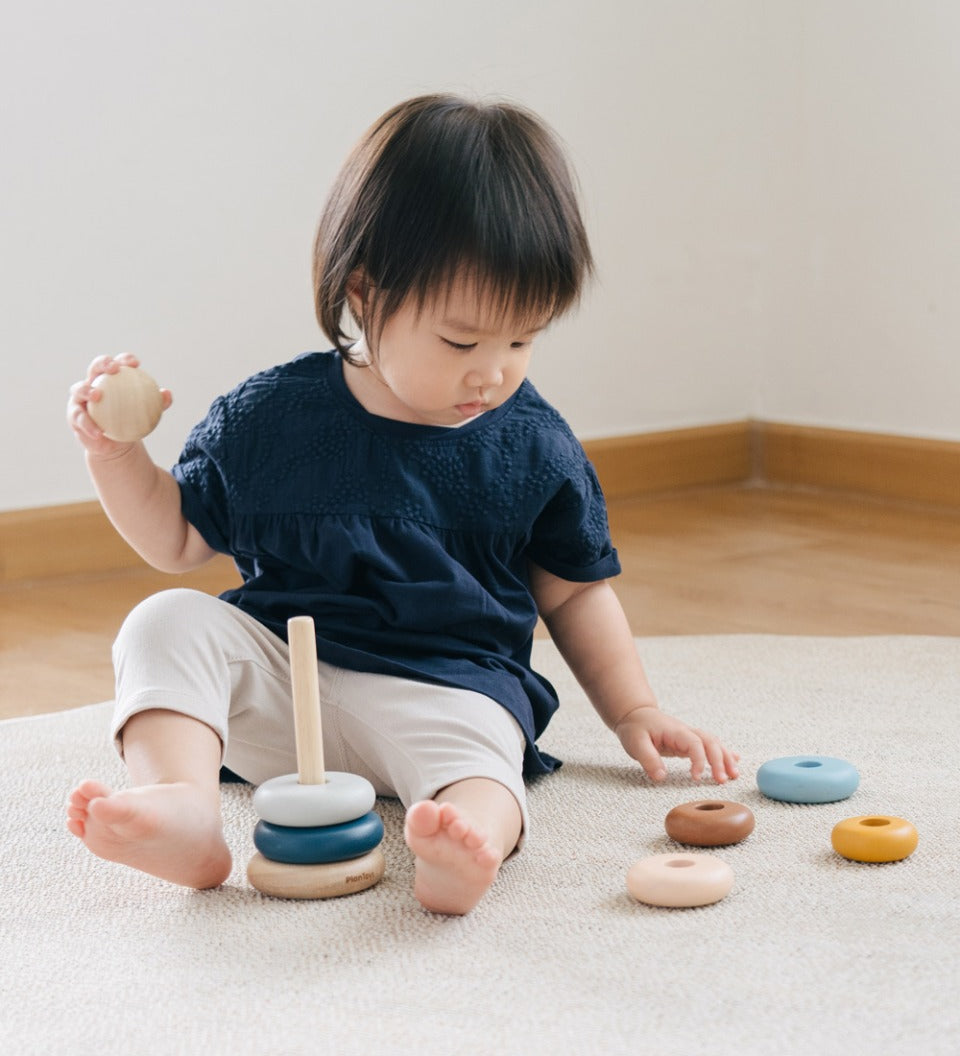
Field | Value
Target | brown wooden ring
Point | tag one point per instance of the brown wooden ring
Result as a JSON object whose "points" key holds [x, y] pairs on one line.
{"points": [[709, 823]]}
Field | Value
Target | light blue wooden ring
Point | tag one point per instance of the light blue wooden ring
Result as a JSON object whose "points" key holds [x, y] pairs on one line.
{"points": [[807, 779], [342, 797], [321, 844]]}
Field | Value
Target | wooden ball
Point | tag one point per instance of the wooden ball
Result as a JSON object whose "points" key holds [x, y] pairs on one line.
{"points": [[709, 823], [679, 880], [280, 880], [130, 404]]}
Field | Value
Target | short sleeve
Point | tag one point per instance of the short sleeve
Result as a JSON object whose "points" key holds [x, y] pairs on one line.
{"points": [[571, 537], [202, 473]]}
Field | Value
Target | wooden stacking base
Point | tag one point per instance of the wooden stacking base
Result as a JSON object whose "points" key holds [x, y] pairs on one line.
{"points": [[316, 881]]}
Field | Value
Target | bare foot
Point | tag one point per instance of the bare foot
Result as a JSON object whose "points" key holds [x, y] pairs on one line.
{"points": [[455, 862], [170, 831]]}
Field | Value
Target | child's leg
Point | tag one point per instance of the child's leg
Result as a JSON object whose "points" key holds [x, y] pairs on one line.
{"points": [[197, 679], [168, 824], [459, 839], [455, 759]]}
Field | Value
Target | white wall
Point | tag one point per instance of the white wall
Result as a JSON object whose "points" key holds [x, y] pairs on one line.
{"points": [[163, 164], [864, 312]]}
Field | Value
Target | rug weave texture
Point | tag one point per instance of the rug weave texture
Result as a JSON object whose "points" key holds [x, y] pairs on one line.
{"points": [[808, 953]]}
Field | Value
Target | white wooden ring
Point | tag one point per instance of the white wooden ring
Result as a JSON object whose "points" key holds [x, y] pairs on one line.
{"points": [[342, 797], [315, 881], [679, 879]]}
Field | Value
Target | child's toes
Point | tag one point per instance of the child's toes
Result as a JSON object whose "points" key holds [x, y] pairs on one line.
{"points": [[458, 829], [474, 839], [487, 858], [423, 819], [448, 815], [88, 790]]}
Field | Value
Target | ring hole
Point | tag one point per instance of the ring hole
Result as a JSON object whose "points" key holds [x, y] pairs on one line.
{"points": [[709, 806], [875, 823], [680, 863], [809, 764]]}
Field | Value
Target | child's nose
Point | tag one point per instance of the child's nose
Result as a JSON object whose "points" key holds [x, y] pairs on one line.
{"points": [[485, 376]]}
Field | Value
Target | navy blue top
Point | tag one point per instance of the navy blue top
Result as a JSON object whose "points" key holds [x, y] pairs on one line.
{"points": [[407, 544]]}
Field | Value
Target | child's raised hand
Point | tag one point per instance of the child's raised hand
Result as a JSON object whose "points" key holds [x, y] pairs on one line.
{"points": [[84, 393], [647, 734]]}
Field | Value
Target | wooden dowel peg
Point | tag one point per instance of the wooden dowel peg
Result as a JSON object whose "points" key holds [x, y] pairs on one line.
{"points": [[306, 700]]}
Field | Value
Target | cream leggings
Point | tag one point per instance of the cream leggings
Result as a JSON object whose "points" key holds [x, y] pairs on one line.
{"points": [[188, 652]]}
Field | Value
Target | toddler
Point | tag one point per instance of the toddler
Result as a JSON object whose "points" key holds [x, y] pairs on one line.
{"points": [[413, 493]]}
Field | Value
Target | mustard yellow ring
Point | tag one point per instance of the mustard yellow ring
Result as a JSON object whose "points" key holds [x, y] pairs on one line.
{"points": [[874, 838]]}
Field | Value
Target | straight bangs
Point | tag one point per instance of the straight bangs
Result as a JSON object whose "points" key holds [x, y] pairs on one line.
{"points": [[443, 190]]}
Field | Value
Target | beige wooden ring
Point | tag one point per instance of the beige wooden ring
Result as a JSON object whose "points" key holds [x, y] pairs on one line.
{"points": [[709, 823], [679, 879], [130, 404], [316, 881]]}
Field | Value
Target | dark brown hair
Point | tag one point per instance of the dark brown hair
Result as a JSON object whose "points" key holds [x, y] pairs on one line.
{"points": [[439, 188]]}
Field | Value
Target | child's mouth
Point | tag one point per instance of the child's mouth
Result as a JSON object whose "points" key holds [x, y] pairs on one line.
{"points": [[471, 410]]}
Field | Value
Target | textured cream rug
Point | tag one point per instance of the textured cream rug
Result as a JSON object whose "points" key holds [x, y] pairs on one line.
{"points": [[808, 954]]}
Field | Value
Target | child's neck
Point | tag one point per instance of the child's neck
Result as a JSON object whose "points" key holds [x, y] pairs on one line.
{"points": [[372, 392]]}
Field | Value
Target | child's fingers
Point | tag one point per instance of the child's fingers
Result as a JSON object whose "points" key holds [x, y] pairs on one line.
{"points": [[716, 757], [730, 760], [111, 364], [101, 365], [646, 754], [697, 755], [81, 394]]}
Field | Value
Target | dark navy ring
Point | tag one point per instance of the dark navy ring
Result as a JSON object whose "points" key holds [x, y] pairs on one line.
{"points": [[319, 844]]}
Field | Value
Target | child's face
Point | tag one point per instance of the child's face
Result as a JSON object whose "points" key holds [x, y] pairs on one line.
{"points": [[450, 361]]}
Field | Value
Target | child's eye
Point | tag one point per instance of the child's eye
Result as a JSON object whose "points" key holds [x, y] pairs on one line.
{"points": [[459, 347]]}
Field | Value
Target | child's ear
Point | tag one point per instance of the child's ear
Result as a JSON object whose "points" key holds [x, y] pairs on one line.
{"points": [[357, 288]]}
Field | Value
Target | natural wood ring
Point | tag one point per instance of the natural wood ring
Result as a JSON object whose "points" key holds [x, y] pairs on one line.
{"points": [[316, 881]]}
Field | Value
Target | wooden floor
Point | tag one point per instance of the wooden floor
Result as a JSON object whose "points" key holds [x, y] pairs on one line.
{"points": [[724, 561]]}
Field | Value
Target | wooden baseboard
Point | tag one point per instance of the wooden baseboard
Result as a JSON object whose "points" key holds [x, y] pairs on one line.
{"points": [[879, 465], [646, 463], [60, 541], [895, 468], [78, 538]]}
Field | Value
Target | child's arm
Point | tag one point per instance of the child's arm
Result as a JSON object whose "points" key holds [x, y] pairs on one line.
{"points": [[589, 627], [141, 499]]}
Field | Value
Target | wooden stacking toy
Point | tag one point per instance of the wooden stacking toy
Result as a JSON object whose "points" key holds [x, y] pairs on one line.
{"points": [[709, 823], [679, 880], [874, 838], [318, 836], [130, 404], [807, 779]]}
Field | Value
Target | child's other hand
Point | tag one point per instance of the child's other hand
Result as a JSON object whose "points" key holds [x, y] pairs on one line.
{"points": [[82, 393], [647, 734]]}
